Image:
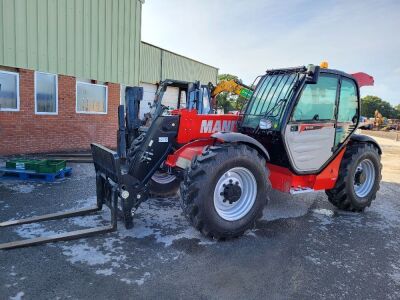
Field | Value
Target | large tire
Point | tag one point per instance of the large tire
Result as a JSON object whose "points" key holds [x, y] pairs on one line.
{"points": [[206, 188], [359, 178], [162, 185]]}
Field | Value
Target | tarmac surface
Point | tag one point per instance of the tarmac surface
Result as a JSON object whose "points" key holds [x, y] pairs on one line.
{"points": [[303, 248]]}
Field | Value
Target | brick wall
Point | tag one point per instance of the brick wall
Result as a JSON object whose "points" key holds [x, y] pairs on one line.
{"points": [[25, 132]]}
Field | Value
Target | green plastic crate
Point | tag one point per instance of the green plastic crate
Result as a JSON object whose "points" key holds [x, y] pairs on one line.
{"points": [[51, 166], [23, 164]]}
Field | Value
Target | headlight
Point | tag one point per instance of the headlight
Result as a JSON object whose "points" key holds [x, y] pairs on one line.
{"points": [[265, 124]]}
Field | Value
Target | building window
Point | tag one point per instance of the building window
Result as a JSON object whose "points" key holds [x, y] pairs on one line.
{"points": [[9, 91], [91, 98], [46, 94]]}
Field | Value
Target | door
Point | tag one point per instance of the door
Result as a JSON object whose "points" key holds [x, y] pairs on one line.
{"points": [[310, 133]]}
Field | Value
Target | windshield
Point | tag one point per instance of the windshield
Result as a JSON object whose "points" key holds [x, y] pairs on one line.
{"points": [[269, 99]]}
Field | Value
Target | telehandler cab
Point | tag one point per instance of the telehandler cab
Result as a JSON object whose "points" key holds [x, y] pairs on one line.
{"points": [[296, 135]]}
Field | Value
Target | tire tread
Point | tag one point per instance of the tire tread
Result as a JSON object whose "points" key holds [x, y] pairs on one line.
{"points": [[194, 178], [339, 195]]}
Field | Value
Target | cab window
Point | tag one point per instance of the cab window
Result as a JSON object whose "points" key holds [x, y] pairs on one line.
{"points": [[348, 104], [317, 101], [206, 102], [192, 100], [347, 110]]}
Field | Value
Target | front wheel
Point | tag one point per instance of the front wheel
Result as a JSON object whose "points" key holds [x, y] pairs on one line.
{"points": [[224, 190], [359, 178]]}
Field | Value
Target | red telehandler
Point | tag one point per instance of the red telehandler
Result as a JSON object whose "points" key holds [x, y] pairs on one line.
{"points": [[296, 135]]}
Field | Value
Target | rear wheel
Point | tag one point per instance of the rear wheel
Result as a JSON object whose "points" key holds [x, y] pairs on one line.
{"points": [[225, 189], [359, 178], [162, 184]]}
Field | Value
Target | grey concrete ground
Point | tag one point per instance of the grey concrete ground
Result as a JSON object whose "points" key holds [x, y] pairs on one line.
{"points": [[303, 248]]}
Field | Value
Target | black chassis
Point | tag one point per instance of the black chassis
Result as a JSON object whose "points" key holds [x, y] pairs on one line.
{"points": [[131, 180], [130, 177]]}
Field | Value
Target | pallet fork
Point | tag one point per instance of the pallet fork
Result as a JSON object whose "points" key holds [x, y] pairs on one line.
{"points": [[109, 187]]}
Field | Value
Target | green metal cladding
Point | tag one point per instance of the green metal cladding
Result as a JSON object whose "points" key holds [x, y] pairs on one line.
{"points": [[91, 39], [150, 63], [157, 64]]}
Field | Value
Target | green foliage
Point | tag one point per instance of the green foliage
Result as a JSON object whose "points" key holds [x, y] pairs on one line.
{"points": [[227, 101], [224, 101], [240, 102], [371, 103], [227, 77], [397, 108]]}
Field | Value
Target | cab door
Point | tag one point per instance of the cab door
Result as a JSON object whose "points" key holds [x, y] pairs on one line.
{"points": [[348, 111], [310, 132]]}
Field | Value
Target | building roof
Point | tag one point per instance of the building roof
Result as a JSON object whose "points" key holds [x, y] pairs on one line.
{"points": [[163, 49]]}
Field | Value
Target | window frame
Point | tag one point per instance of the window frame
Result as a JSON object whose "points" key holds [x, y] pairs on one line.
{"points": [[46, 113], [90, 112], [18, 99]]}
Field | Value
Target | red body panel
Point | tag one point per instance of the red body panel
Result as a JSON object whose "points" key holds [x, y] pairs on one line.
{"points": [[283, 179], [193, 126], [363, 79], [195, 131], [188, 151]]}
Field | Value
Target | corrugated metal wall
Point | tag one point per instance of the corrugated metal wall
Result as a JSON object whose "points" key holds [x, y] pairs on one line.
{"points": [[93, 39], [150, 63], [157, 64]]}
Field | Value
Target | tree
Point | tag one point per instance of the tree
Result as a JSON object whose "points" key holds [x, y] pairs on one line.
{"points": [[397, 108], [240, 102], [224, 102], [227, 77], [227, 101], [369, 104]]}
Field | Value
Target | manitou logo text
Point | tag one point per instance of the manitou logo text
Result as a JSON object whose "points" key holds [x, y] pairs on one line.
{"points": [[210, 126]]}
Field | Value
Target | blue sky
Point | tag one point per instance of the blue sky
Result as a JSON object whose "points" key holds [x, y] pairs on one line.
{"points": [[247, 37]]}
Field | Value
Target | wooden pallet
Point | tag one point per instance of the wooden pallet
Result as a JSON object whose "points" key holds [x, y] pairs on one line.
{"points": [[28, 175]]}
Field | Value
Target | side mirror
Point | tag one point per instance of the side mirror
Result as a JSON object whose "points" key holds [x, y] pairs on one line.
{"points": [[312, 74]]}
